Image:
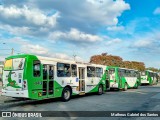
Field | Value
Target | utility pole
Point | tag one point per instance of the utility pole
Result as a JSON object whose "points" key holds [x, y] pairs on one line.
{"points": [[12, 51], [74, 56]]}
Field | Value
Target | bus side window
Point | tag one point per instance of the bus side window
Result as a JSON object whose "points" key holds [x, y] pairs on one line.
{"points": [[51, 72], [44, 72], [121, 73], [126, 73], [74, 70], [90, 71], [99, 72], [36, 68], [63, 70], [132, 73]]}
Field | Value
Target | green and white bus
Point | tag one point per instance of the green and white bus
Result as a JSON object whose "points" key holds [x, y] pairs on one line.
{"points": [[37, 77], [1, 71], [122, 78], [149, 77]]}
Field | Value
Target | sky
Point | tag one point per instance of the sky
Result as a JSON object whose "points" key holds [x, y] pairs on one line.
{"points": [[64, 28]]}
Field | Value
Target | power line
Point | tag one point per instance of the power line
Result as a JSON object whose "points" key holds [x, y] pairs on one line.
{"points": [[4, 54], [13, 51], [18, 51], [5, 49], [74, 56]]}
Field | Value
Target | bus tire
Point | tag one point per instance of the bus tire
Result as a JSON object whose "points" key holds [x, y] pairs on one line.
{"points": [[111, 89], [66, 94], [100, 90], [136, 86], [125, 87]]}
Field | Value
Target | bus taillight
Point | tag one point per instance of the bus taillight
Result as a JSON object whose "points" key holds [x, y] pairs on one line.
{"points": [[24, 84]]}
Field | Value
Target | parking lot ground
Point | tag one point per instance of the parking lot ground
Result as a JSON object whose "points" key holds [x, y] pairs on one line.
{"points": [[145, 98]]}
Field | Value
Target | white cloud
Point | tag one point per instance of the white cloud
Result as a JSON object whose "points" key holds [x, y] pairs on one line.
{"points": [[157, 11], [2, 58], [85, 14], [149, 41], [51, 19], [26, 16], [16, 30], [65, 56], [114, 41], [15, 40], [34, 49], [74, 35], [30, 48], [61, 56], [39, 50], [115, 28], [143, 43], [27, 21], [105, 12]]}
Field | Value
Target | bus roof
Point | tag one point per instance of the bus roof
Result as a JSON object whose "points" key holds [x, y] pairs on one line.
{"points": [[121, 68], [51, 59], [20, 56], [67, 61], [150, 71]]}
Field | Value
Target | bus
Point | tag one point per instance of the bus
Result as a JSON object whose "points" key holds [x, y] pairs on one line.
{"points": [[149, 77], [122, 78], [1, 71], [37, 77]]}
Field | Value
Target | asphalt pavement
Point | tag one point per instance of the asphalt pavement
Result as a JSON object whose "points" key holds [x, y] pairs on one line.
{"points": [[145, 98]]}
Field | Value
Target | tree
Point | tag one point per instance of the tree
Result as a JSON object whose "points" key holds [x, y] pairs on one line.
{"points": [[138, 65], [153, 69], [105, 59], [117, 61]]}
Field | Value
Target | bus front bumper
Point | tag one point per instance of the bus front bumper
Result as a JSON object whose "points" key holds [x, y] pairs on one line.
{"points": [[144, 81], [21, 94]]}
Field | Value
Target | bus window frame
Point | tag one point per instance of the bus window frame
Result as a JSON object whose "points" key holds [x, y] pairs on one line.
{"points": [[12, 64], [98, 72], [63, 69], [93, 75], [75, 70], [122, 72], [39, 69]]}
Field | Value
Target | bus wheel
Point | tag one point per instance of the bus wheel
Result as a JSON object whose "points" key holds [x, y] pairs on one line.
{"points": [[100, 90], [136, 86], [125, 87], [66, 94]]}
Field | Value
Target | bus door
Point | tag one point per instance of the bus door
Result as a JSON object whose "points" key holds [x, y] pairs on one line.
{"points": [[81, 79], [107, 79], [48, 80], [120, 75]]}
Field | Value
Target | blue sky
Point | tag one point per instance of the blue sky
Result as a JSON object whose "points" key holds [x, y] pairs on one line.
{"points": [[61, 28]]}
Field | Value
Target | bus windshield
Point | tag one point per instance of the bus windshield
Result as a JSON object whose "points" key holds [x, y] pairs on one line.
{"points": [[143, 73], [14, 64]]}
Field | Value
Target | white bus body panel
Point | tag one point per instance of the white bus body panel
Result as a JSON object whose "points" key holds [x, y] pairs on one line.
{"points": [[131, 81], [113, 85], [144, 80]]}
